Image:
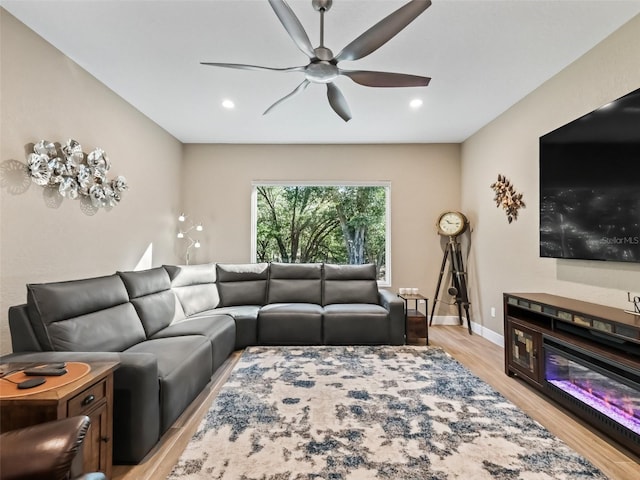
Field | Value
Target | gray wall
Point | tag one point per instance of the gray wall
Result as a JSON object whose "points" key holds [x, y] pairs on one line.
{"points": [[47, 96], [505, 257]]}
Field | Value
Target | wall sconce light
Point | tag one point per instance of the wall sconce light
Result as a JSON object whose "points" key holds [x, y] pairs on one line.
{"points": [[184, 233]]}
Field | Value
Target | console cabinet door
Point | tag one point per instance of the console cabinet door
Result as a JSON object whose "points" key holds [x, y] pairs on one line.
{"points": [[96, 443], [96, 401], [524, 352]]}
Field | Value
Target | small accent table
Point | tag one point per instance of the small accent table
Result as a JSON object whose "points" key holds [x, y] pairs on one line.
{"points": [[416, 324], [91, 395]]}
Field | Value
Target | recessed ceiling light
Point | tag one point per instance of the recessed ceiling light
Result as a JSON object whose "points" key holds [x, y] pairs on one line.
{"points": [[415, 103], [228, 104]]}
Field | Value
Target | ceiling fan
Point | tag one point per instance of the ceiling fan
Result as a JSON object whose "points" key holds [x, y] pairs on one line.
{"points": [[323, 64]]}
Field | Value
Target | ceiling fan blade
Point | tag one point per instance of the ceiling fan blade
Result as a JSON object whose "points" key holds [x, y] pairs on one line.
{"points": [[293, 26], [241, 66], [338, 102], [385, 79], [383, 31], [298, 89]]}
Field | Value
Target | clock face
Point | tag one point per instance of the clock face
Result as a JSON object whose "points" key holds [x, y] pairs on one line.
{"points": [[452, 223]]}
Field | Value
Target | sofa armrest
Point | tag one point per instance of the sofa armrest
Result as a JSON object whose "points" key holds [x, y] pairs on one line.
{"points": [[23, 338], [395, 306], [136, 404], [136, 420]]}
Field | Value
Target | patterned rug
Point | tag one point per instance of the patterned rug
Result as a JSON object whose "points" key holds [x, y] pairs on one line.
{"points": [[339, 413]]}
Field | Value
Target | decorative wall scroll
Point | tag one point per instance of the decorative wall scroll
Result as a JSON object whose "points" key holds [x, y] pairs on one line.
{"points": [[74, 173], [507, 198]]}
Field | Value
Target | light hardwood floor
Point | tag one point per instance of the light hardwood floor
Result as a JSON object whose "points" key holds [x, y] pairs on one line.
{"points": [[479, 355]]}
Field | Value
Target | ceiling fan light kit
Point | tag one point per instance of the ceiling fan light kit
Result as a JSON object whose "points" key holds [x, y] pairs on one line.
{"points": [[323, 64]]}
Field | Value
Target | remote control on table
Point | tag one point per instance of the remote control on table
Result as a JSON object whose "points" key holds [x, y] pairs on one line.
{"points": [[54, 365], [32, 382], [45, 371]]}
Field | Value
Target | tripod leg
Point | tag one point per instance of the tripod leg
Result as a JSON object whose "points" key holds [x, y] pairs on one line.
{"points": [[435, 297], [459, 305], [463, 297], [455, 284], [466, 308]]}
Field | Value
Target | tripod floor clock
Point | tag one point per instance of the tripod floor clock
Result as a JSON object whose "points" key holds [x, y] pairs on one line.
{"points": [[453, 224]]}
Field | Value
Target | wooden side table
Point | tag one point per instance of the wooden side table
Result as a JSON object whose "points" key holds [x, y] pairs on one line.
{"points": [[90, 395], [416, 324]]}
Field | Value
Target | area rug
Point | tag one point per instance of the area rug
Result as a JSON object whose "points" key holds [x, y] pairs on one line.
{"points": [[342, 413]]}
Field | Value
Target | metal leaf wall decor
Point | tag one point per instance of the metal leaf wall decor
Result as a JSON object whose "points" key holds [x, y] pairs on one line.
{"points": [[507, 198], [74, 173]]}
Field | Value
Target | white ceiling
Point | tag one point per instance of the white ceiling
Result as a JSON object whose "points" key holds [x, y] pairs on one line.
{"points": [[483, 56]]}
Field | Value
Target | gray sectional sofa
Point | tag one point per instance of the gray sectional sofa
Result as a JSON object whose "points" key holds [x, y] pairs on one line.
{"points": [[172, 327]]}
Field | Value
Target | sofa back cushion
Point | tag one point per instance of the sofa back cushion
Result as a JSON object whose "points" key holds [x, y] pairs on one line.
{"points": [[350, 284], [295, 283], [151, 295], [242, 283], [92, 314], [195, 286]]}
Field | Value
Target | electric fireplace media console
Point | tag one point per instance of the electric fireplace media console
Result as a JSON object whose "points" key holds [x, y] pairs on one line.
{"points": [[583, 355]]}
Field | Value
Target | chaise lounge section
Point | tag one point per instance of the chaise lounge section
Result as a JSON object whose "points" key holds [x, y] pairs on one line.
{"points": [[172, 327]]}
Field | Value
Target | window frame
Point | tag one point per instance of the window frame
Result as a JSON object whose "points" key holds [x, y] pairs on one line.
{"points": [[386, 184]]}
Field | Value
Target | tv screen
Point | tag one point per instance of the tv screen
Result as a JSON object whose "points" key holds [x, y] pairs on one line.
{"points": [[590, 185]]}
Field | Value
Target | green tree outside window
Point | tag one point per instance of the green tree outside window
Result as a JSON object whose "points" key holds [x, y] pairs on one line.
{"points": [[343, 224]]}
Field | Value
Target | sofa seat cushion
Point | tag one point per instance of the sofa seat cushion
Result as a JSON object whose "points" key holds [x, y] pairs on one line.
{"points": [[219, 329], [290, 324], [184, 368], [356, 324], [246, 318]]}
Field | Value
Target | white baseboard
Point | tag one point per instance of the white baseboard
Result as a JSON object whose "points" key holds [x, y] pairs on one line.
{"points": [[490, 335]]}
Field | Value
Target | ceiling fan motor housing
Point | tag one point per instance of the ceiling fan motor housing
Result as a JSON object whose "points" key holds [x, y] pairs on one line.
{"points": [[321, 72], [322, 4]]}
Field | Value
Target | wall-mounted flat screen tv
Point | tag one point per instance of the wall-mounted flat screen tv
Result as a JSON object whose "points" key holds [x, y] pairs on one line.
{"points": [[590, 185]]}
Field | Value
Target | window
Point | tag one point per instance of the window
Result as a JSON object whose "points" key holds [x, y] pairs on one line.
{"points": [[343, 223]]}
